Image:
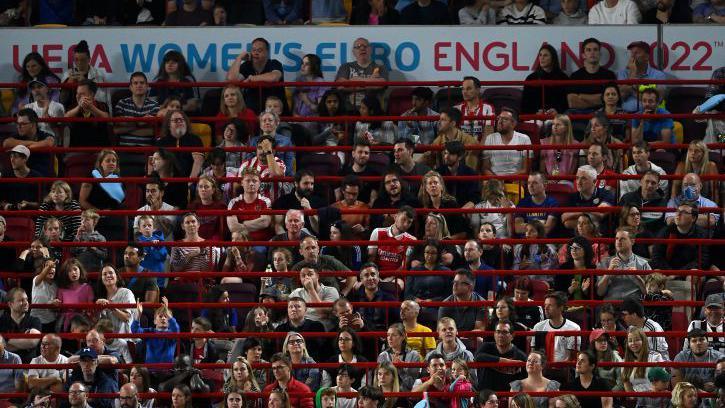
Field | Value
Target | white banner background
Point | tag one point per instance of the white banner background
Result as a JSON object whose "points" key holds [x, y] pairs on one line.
{"points": [[413, 53]]}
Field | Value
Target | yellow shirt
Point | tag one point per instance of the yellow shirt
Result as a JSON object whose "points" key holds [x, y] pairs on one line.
{"points": [[421, 344]]}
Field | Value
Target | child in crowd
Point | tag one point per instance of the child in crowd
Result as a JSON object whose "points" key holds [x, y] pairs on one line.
{"points": [[660, 380], [344, 384], [159, 350], [91, 258], [325, 398], [461, 383], [656, 292], [155, 256], [73, 288]]}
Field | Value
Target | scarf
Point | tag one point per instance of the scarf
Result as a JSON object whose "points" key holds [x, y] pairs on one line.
{"points": [[114, 190]]}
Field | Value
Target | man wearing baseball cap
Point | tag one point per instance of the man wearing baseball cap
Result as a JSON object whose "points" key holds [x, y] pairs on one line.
{"points": [[712, 323], [638, 67], [43, 106], [95, 381], [19, 196]]}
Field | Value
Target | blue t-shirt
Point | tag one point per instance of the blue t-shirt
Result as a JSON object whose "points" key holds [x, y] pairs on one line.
{"points": [[528, 202], [631, 104], [653, 128]]}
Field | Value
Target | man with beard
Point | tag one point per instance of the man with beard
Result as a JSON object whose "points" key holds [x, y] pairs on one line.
{"points": [[301, 198], [154, 193], [88, 376], [175, 133], [128, 396], [422, 98], [506, 162], [448, 132], [487, 286], [698, 352], [467, 192], [359, 167], [502, 350], [142, 287], [403, 162], [393, 195]]}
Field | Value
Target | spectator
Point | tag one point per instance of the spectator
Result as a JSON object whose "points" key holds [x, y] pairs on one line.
{"points": [[332, 133], [176, 132], [50, 379], [164, 164], [588, 195], [294, 230], [571, 13], [266, 164], [638, 65], [505, 311], [697, 161], [349, 255], [282, 372], [615, 12], [436, 381], [34, 66], [452, 164], [370, 397], [699, 351], [20, 196], [502, 350], [155, 190], [181, 394], [495, 255], [675, 255], [85, 105], [450, 346], [436, 228], [11, 380], [91, 257], [652, 130], [111, 290], [219, 13], [428, 288], [370, 291], [713, 322], [507, 162], [280, 12], [467, 317], [587, 98], [374, 12], [44, 107], [106, 195], [536, 199], [601, 348], [612, 287], [142, 288], [358, 166], [448, 131], [564, 346], [631, 217], [82, 69], [554, 98], [31, 137], [386, 377], [393, 194], [425, 12], [669, 12], [405, 165], [307, 100], [376, 132], [656, 292], [72, 288], [708, 13], [535, 256], [44, 291], [295, 349], [252, 202], [393, 255], [78, 396], [60, 198], [362, 69], [138, 105], [217, 168], [422, 98], [269, 123], [189, 258], [638, 350], [310, 251], [494, 196], [477, 12], [257, 67], [350, 189], [397, 351], [298, 321], [233, 108], [242, 377], [556, 162], [647, 195], [93, 379], [191, 14], [409, 311], [633, 315], [158, 350], [312, 290], [486, 286], [473, 105], [642, 164], [535, 380], [433, 194]]}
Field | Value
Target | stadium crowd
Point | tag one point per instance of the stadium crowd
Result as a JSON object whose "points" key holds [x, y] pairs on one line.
{"points": [[52, 274]]}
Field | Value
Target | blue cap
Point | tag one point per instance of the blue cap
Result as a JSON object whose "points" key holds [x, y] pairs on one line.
{"points": [[88, 352]]}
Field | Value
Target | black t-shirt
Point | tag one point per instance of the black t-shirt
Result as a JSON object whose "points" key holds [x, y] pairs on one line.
{"points": [[185, 160], [189, 19], [90, 134], [582, 74], [366, 186], [252, 95], [17, 192], [498, 379], [29, 322], [434, 14], [289, 201], [554, 97], [40, 162], [464, 191], [589, 402]]}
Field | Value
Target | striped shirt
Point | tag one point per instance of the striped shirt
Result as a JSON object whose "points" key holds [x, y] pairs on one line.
{"points": [[126, 107]]}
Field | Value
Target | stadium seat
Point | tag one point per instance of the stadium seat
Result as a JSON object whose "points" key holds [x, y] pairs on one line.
{"points": [[379, 162], [399, 100], [539, 289], [501, 97], [666, 160], [446, 98], [210, 102], [559, 191], [241, 292], [20, 228], [78, 165], [323, 164], [184, 291]]}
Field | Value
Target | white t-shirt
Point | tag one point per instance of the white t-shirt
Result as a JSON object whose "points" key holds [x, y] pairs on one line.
{"points": [[624, 12], [55, 110], [507, 162], [562, 344], [44, 293], [48, 372]]}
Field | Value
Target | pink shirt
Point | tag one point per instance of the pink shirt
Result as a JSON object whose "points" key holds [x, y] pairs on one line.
{"points": [[82, 293]]}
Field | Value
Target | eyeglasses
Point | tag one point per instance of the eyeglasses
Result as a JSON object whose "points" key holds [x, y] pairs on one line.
{"points": [[296, 341], [344, 339], [361, 46], [462, 282]]}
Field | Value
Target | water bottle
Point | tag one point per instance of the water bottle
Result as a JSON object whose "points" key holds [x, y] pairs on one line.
{"points": [[267, 280]]}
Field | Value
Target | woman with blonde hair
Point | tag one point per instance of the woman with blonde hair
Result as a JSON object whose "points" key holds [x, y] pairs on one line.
{"points": [[556, 162], [433, 194], [397, 351], [522, 400], [494, 196], [386, 377], [435, 228], [697, 160], [60, 198], [232, 106], [599, 130], [637, 350], [241, 378], [295, 348], [684, 395], [567, 401]]}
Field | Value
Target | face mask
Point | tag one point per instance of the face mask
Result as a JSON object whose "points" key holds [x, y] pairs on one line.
{"points": [[690, 193]]}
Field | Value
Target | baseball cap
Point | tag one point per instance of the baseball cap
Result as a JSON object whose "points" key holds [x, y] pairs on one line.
{"points": [[638, 44], [270, 292], [658, 374], [714, 300], [595, 334], [36, 82], [88, 352], [22, 150]]}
